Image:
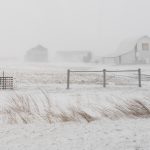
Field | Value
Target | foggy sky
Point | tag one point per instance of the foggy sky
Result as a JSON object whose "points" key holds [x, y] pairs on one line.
{"points": [[96, 25]]}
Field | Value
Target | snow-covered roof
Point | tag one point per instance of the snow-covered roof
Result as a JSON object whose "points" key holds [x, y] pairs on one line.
{"points": [[39, 47], [126, 46]]}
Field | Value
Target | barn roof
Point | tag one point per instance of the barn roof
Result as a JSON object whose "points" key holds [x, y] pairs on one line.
{"points": [[39, 47], [126, 46]]}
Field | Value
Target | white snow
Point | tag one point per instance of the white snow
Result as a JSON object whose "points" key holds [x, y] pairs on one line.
{"points": [[87, 93], [99, 135]]}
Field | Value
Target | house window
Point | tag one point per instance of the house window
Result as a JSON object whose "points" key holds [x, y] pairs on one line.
{"points": [[145, 46]]}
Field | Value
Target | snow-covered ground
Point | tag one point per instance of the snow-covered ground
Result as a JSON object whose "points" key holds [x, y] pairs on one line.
{"points": [[99, 135], [86, 93]]}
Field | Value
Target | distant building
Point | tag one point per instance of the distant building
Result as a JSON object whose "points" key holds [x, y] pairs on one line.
{"points": [[131, 52], [74, 56], [37, 54]]}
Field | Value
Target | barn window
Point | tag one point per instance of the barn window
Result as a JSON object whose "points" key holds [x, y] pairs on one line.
{"points": [[145, 46]]}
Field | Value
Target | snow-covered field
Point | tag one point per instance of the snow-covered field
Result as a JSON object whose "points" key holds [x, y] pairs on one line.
{"points": [[99, 135], [108, 127]]}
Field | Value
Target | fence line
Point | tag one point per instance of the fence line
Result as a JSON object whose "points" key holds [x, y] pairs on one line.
{"points": [[121, 70], [85, 71], [104, 71]]}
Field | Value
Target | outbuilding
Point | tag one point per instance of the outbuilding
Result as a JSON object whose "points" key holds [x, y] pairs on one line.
{"points": [[37, 54], [74, 56]]}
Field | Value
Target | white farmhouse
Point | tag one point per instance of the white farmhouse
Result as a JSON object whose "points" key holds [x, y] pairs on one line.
{"points": [[131, 52], [37, 54]]}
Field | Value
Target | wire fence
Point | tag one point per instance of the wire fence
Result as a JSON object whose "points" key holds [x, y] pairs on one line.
{"points": [[106, 78], [6, 82], [9, 80]]}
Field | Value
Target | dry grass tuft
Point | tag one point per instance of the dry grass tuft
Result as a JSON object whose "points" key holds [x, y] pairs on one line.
{"points": [[133, 109], [138, 109], [66, 117], [86, 116]]}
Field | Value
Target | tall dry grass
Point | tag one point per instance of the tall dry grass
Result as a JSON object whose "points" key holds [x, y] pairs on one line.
{"points": [[25, 109]]}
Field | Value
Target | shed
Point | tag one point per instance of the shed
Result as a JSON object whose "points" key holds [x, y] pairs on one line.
{"points": [[37, 54], [74, 56]]}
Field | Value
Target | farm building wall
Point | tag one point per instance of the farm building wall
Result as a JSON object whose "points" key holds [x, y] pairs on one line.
{"points": [[143, 55], [118, 60], [128, 58]]}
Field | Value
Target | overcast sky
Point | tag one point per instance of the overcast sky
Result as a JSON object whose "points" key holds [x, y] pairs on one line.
{"points": [[96, 25]]}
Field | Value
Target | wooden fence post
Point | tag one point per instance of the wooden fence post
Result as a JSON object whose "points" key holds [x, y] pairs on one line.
{"points": [[139, 77], [68, 79], [3, 81], [104, 78]]}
